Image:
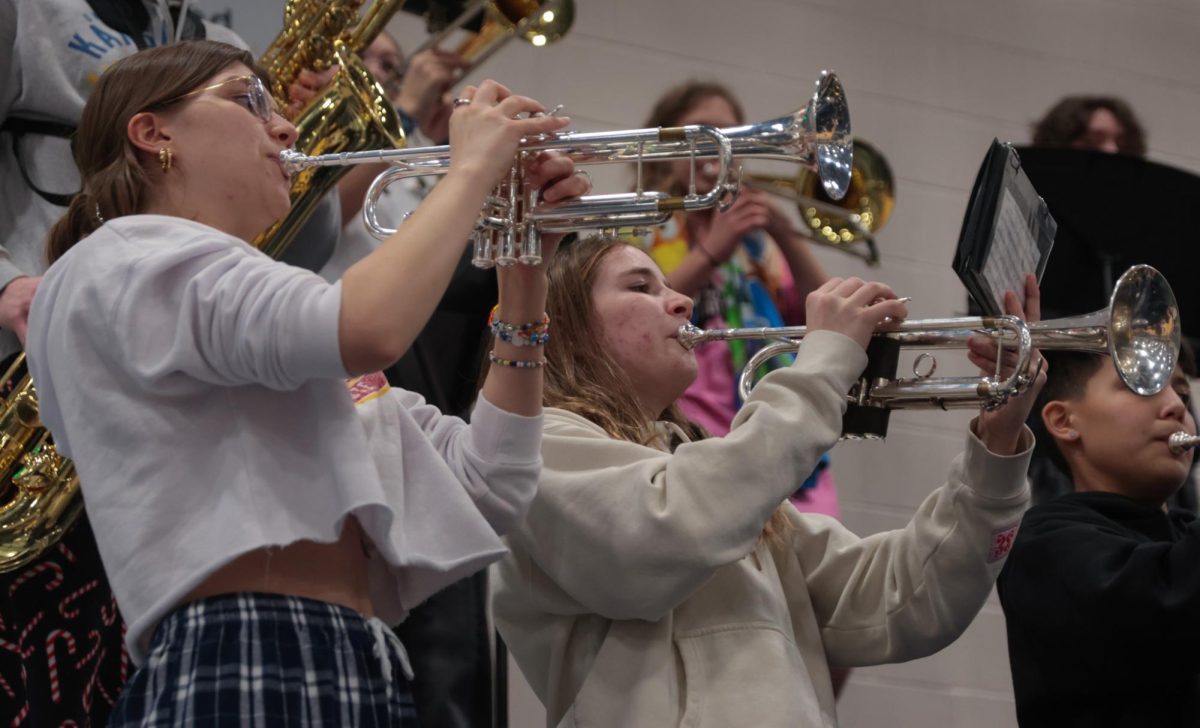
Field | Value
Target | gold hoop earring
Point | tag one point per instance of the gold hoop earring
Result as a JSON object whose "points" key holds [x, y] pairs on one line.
{"points": [[165, 158]]}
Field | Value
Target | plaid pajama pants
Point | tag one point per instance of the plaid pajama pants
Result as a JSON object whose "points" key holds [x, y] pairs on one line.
{"points": [[268, 660]]}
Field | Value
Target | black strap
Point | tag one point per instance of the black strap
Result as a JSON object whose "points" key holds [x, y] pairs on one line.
{"points": [[131, 18], [124, 16], [18, 128]]}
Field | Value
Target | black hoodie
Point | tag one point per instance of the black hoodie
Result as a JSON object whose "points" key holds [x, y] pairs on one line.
{"points": [[1101, 594]]}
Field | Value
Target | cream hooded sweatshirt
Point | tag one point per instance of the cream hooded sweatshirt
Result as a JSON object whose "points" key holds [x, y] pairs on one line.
{"points": [[639, 593]]}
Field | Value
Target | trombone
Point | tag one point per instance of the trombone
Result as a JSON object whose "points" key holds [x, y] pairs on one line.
{"points": [[848, 224], [1140, 330], [538, 22], [510, 227]]}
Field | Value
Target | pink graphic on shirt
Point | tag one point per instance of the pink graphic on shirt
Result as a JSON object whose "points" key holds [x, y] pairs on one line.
{"points": [[1002, 542], [367, 387]]}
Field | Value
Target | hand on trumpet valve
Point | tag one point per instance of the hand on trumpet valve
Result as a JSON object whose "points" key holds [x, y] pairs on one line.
{"points": [[1000, 428], [485, 133], [853, 307], [555, 175]]}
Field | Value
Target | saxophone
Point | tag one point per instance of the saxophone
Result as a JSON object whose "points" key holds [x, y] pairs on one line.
{"points": [[351, 115], [39, 489]]}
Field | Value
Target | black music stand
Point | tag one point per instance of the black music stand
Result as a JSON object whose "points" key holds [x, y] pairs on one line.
{"points": [[1114, 211]]}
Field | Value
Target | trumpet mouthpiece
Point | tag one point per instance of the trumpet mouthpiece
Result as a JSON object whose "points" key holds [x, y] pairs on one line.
{"points": [[1182, 441], [292, 161], [690, 335]]}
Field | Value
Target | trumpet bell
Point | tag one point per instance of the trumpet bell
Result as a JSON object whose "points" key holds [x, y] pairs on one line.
{"points": [[1144, 329], [829, 121]]}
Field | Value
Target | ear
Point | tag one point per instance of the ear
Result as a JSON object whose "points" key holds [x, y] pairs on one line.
{"points": [[147, 131], [1056, 416]]}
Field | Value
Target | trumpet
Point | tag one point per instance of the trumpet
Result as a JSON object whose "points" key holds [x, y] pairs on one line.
{"points": [[1140, 330], [849, 224], [816, 135], [538, 22]]}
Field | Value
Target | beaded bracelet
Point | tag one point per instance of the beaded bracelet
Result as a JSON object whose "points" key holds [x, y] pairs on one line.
{"points": [[533, 334], [516, 363]]}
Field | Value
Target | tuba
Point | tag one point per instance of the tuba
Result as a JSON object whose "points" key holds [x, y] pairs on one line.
{"points": [[352, 114], [39, 489], [841, 224]]}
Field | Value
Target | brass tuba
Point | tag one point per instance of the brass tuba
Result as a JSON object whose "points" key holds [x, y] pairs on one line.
{"points": [[842, 224], [352, 114], [39, 489]]}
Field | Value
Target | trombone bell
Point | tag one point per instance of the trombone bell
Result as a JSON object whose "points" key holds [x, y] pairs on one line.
{"points": [[841, 224], [537, 22]]}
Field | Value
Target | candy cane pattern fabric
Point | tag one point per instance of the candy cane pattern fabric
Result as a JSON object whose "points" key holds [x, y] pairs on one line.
{"points": [[50, 673]]}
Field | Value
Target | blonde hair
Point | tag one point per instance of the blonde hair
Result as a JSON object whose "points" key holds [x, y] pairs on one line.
{"points": [[583, 378]]}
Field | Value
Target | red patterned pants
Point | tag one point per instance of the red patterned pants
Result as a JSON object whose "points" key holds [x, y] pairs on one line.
{"points": [[62, 653]]}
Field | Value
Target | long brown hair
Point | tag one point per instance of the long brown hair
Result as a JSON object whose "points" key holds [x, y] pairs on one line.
{"points": [[1067, 121], [113, 173], [669, 109], [582, 377]]}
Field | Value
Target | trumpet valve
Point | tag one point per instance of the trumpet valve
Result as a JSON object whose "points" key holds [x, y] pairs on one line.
{"points": [[481, 243]]}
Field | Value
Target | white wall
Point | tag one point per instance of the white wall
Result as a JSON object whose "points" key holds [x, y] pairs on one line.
{"points": [[930, 82]]}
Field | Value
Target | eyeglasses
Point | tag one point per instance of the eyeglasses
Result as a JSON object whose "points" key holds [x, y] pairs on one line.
{"points": [[256, 100]]}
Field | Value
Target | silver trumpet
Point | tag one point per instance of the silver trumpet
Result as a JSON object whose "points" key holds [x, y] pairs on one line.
{"points": [[510, 226], [1140, 331]]}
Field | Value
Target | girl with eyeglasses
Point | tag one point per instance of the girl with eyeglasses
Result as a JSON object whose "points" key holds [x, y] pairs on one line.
{"points": [[258, 522]]}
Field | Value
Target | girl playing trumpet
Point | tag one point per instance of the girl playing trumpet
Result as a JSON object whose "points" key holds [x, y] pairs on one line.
{"points": [[660, 579], [251, 537]]}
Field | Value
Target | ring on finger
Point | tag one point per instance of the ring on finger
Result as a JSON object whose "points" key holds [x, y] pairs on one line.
{"points": [[460, 101]]}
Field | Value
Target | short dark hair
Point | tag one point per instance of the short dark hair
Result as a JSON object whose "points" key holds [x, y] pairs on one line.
{"points": [[1067, 377], [1067, 121]]}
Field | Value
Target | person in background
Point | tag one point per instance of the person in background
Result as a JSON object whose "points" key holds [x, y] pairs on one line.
{"points": [[1101, 123]]}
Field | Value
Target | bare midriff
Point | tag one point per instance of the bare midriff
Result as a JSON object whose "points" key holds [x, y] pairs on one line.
{"points": [[329, 572]]}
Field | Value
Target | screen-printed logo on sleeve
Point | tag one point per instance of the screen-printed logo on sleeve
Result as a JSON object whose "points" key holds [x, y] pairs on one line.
{"points": [[1002, 542]]}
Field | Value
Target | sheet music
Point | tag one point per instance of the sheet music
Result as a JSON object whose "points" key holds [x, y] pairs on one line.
{"points": [[1014, 251]]}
